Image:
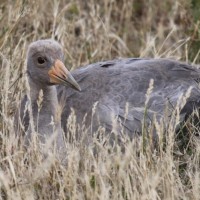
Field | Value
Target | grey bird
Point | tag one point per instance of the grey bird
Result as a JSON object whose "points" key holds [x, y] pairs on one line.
{"points": [[45, 69], [109, 94]]}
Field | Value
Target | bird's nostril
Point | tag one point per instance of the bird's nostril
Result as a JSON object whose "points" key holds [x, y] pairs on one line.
{"points": [[64, 76]]}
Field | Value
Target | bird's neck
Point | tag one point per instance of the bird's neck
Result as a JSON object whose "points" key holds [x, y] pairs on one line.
{"points": [[45, 110], [43, 99]]}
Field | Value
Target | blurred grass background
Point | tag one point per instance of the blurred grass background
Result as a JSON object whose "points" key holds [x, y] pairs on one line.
{"points": [[94, 30], [90, 31]]}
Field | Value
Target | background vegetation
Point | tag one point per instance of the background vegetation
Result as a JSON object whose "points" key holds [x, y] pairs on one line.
{"points": [[90, 31]]}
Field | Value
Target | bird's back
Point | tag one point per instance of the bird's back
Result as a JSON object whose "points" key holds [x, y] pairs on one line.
{"points": [[114, 92]]}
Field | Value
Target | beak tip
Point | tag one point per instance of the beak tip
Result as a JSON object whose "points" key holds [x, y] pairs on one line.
{"points": [[79, 88]]}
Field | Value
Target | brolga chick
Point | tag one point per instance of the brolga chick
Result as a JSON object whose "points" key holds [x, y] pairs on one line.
{"points": [[45, 69], [113, 93]]}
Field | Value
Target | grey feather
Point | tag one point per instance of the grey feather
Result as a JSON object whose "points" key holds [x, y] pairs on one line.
{"points": [[126, 81]]}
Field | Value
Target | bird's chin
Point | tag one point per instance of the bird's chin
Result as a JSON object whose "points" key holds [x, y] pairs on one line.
{"points": [[51, 84]]}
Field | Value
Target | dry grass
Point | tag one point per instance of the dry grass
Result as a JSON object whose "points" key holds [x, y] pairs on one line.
{"points": [[91, 31]]}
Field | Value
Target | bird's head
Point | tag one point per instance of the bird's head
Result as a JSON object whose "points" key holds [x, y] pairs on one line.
{"points": [[45, 64]]}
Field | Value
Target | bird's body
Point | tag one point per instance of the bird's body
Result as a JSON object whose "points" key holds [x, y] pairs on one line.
{"points": [[119, 87], [113, 93]]}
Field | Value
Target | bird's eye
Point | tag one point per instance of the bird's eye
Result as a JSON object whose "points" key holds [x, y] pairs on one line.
{"points": [[41, 60]]}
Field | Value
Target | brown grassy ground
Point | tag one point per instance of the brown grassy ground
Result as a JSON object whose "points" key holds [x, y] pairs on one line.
{"points": [[90, 31]]}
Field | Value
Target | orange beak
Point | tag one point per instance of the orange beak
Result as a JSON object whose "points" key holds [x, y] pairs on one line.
{"points": [[60, 75]]}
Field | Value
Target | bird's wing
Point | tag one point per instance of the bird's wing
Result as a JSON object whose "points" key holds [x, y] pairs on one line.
{"points": [[114, 84]]}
